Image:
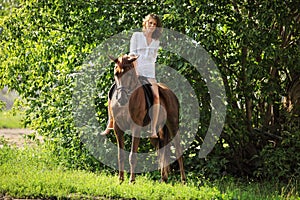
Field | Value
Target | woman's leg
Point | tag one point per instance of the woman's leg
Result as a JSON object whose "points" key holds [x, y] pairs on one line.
{"points": [[155, 108]]}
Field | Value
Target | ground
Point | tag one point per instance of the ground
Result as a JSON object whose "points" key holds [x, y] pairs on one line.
{"points": [[16, 136]]}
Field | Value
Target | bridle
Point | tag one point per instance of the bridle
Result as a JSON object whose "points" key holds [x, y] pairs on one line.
{"points": [[132, 85]]}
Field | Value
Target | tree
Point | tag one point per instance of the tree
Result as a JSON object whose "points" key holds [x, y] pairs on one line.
{"points": [[254, 44]]}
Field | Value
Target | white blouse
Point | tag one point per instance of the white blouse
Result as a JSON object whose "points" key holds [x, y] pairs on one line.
{"points": [[147, 54]]}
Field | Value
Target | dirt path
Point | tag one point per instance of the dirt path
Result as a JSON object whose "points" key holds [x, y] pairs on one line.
{"points": [[15, 136]]}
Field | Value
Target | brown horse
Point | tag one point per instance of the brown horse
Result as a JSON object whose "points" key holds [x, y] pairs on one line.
{"points": [[128, 109]]}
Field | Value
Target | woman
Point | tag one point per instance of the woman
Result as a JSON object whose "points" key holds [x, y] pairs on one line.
{"points": [[145, 44]]}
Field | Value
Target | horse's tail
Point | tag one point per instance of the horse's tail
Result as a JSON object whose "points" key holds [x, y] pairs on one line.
{"points": [[164, 152]]}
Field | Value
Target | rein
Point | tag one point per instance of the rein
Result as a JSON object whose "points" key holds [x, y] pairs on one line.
{"points": [[128, 91]]}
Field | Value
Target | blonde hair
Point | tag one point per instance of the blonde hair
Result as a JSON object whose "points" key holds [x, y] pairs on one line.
{"points": [[158, 31]]}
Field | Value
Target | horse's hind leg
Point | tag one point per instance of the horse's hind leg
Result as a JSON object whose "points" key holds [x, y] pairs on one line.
{"points": [[164, 153], [179, 156]]}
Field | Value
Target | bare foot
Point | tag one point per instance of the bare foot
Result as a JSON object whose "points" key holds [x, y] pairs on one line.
{"points": [[154, 136], [107, 131]]}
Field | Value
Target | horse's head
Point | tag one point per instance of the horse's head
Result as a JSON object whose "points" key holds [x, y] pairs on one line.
{"points": [[125, 77]]}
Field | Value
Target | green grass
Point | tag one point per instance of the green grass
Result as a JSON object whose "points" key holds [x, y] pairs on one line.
{"points": [[264, 190], [34, 173], [8, 119]]}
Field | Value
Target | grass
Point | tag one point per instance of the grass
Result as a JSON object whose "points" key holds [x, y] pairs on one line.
{"points": [[34, 173], [254, 190], [9, 119], [31, 174]]}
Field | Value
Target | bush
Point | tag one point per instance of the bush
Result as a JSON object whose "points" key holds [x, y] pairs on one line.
{"points": [[280, 159]]}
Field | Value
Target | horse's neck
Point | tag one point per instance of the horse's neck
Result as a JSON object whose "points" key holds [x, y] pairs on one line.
{"points": [[135, 84]]}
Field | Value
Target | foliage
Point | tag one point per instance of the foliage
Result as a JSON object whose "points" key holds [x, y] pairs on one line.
{"points": [[35, 173], [254, 44], [281, 157], [2, 105]]}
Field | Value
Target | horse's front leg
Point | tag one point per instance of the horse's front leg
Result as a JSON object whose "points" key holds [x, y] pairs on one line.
{"points": [[121, 154], [133, 153]]}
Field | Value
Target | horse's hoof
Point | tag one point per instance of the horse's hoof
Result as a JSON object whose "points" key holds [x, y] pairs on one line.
{"points": [[132, 182], [121, 180], [163, 180]]}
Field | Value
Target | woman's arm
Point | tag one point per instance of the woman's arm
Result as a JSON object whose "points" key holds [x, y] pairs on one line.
{"points": [[156, 51], [133, 44]]}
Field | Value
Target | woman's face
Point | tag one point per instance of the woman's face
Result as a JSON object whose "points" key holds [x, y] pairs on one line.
{"points": [[151, 25]]}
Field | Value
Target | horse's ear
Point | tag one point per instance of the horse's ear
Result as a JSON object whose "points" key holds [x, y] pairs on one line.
{"points": [[113, 58], [133, 58]]}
